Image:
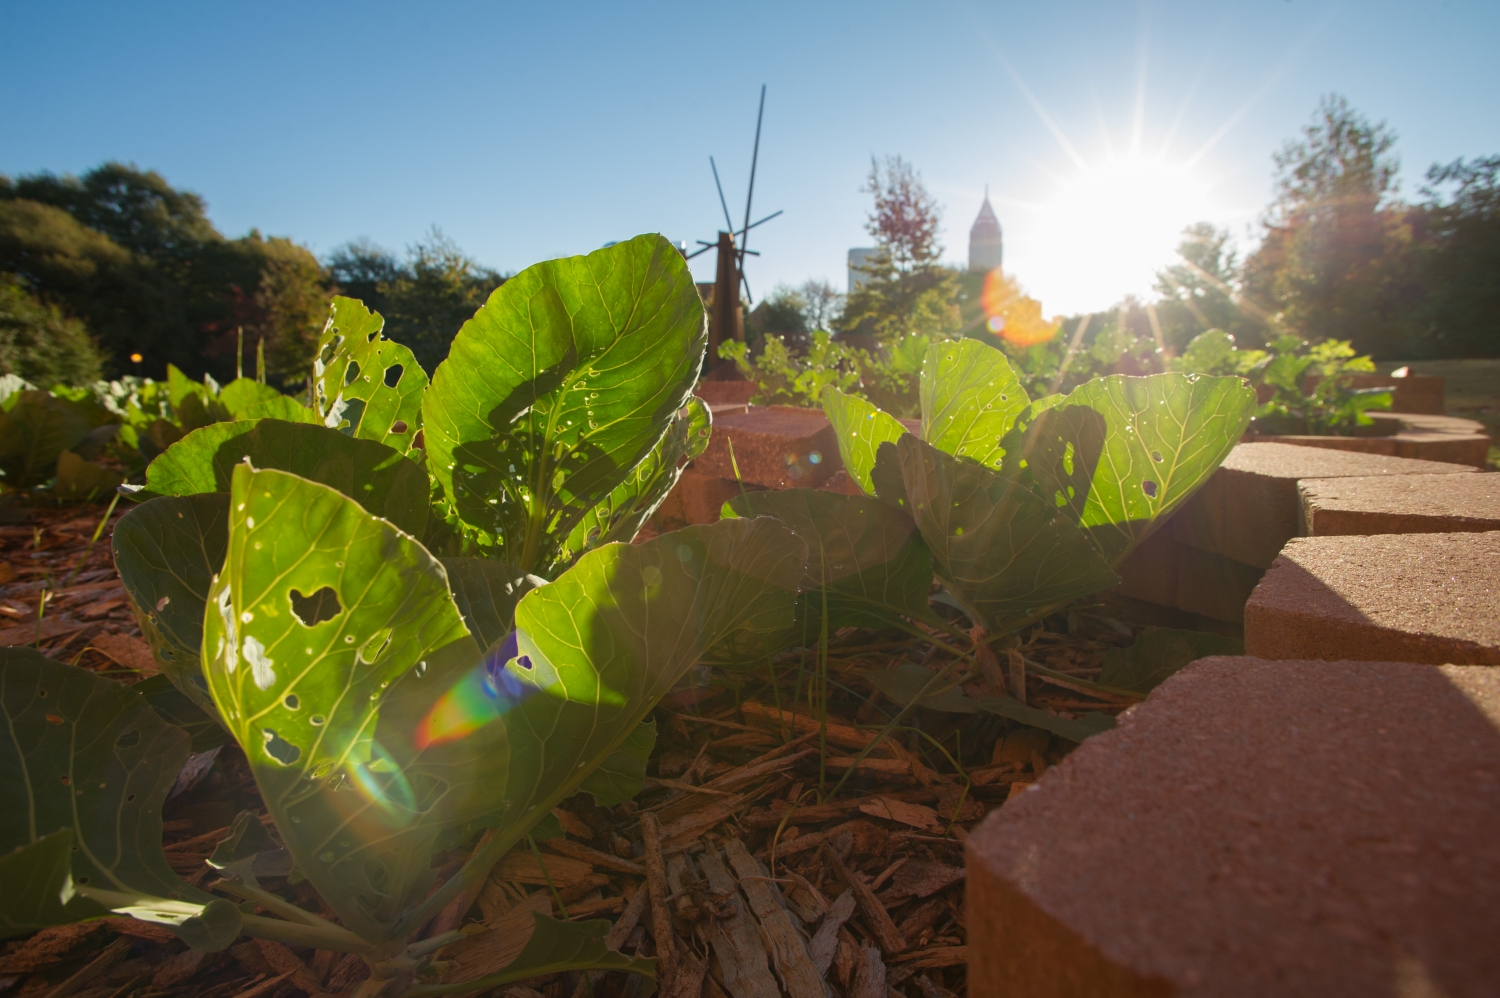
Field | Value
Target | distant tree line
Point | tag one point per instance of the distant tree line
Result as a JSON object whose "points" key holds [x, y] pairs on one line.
{"points": [[116, 264]]}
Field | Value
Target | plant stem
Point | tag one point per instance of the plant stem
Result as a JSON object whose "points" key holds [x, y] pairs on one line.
{"points": [[83, 560], [548, 877]]}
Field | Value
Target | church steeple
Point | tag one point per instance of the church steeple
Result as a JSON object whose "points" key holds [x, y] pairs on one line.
{"points": [[986, 247]]}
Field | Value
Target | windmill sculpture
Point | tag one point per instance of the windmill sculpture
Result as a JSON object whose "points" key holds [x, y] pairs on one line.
{"points": [[726, 321]]}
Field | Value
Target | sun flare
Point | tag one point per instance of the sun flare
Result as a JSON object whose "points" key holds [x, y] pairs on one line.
{"points": [[1108, 228]]}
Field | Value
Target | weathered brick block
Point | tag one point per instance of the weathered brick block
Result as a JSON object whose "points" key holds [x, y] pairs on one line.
{"points": [[1319, 829], [1417, 597], [1250, 507], [1168, 573], [696, 498], [776, 447], [1401, 504], [1422, 445]]}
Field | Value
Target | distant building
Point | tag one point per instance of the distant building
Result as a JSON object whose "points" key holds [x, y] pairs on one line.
{"points": [[986, 248], [858, 258]]}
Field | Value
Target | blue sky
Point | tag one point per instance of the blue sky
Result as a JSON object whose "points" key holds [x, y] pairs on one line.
{"points": [[537, 130]]}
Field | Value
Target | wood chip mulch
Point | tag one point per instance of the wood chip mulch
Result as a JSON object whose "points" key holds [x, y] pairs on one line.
{"points": [[738, 866]]}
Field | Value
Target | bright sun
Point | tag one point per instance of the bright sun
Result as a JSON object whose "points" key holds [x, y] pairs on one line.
{"points": [[1108, 228]]}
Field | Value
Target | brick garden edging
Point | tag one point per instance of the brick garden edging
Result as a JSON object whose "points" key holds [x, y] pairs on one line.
{"points": [[1256, 828]]}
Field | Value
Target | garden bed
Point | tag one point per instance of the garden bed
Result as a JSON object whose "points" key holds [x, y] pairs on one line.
{"points": [[733, 784]]}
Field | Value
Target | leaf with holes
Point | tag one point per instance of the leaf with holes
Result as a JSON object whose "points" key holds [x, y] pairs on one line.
{"points": [[384, 482], [364, 384], [592, 654], [557, 389], [88, 755], [630, 505], [321, 614], [1004, 553], [970, 400], [167, 551], [1121, 454], [861, 429], [865, 558]]}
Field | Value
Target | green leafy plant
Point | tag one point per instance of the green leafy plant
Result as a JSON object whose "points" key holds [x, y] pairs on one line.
{"points": [[392, 702], [1016, 507], [1331, 406], [886, 376]]}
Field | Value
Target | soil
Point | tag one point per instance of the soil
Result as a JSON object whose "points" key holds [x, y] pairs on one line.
{"points": [[773, 869]]}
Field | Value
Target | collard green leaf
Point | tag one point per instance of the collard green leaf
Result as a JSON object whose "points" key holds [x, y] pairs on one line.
{"points": [[970, 400], [89, 755], [321, 615], [281, 407], [906, 681], [630, 505], [37, 428], [868, 557], [242, 393], [377, 477], [167, 551], [363, 383], [487, 592], [176, 708], [1121, 454], [593, 653], [1159, 653], [623, 775], [557, 388], [1075, 730], [36, 880], [82, 480], [861, 429], [1003, 553]]}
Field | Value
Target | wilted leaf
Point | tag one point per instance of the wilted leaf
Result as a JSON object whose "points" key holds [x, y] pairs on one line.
{"points": [[861, 429], [970, 400], [1159, 652], [363, 383], [1002, 552], [372, 474], [167, 551], [557, 388]]}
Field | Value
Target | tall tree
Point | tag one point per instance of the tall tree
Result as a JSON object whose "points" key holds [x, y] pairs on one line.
{"points": [[906, 290], [824, 304], [1204, 290], [433, 294], [1461, 258], [1335, 257]]}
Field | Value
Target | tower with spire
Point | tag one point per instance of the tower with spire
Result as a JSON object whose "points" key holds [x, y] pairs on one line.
{"points": [[986, 248]]}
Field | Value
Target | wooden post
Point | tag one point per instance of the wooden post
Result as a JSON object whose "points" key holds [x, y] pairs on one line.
{"points": [[727, 321]]}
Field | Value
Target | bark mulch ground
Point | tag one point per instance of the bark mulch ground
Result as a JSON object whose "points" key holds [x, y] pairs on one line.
{"points": [[738, 866]]}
